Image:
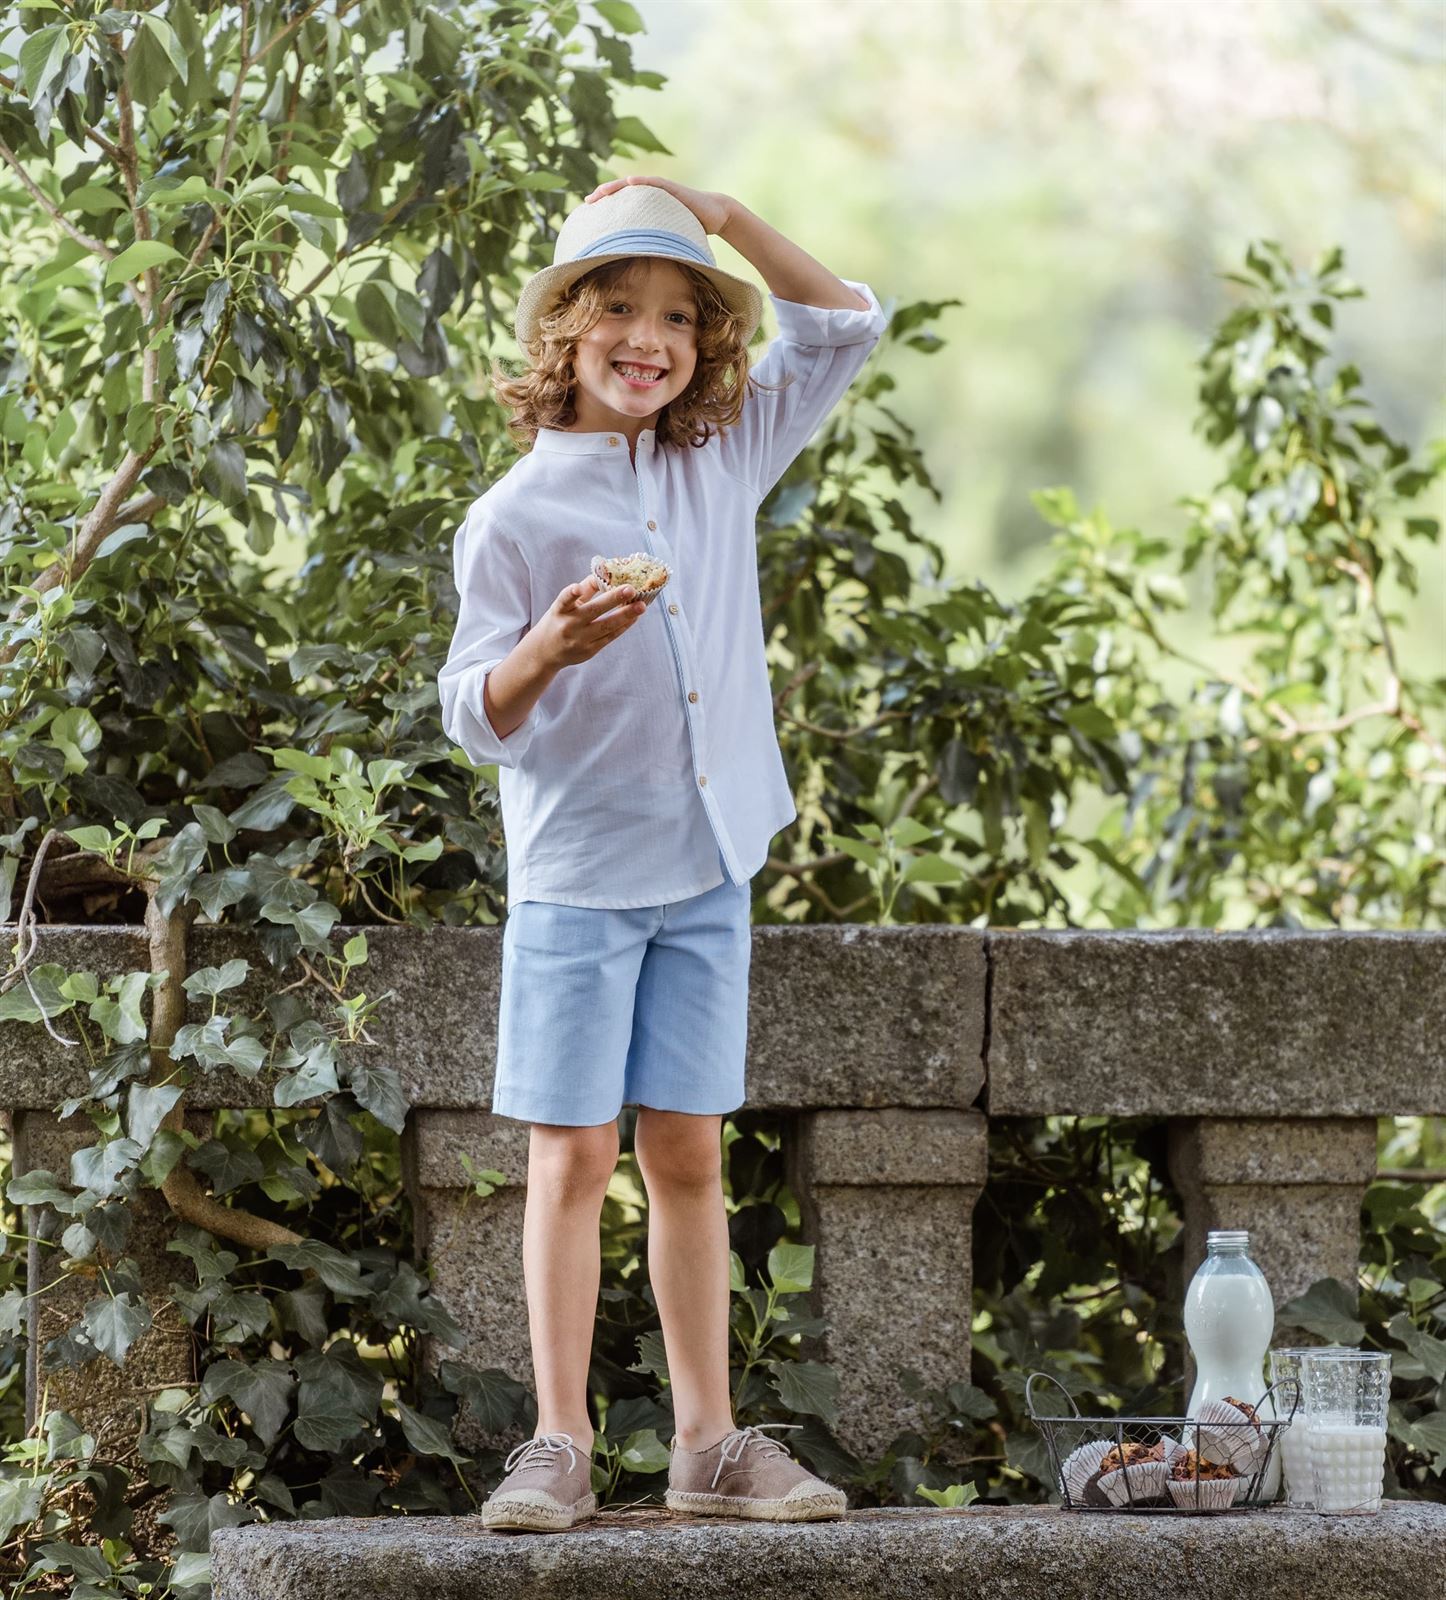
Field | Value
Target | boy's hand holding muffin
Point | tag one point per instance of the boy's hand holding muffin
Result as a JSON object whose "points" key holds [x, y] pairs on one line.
{"points": [[584, 617], [590, 614]]}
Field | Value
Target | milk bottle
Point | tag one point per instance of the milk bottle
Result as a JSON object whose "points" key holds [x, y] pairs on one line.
{"points": [[1229, 1318]]}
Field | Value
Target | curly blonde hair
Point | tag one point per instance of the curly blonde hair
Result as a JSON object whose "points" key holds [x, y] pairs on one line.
{"points": [[542, 394]]}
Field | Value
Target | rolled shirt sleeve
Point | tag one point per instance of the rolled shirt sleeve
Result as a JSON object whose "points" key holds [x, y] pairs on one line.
{"points": [[493, 613], [817, 354]]}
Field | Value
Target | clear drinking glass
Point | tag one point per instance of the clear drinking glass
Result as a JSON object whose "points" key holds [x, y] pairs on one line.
{"points": [[1346, 1395], [1292, 1439], [1294, 1442]]}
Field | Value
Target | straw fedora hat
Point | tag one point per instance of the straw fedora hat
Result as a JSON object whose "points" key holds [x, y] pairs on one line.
{"points": [[639, 219]]}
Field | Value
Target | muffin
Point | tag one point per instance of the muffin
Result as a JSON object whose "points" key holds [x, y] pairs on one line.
{"points": [[1131, 1474], [1198, 1484], [1230, 1433], [639, 570]]}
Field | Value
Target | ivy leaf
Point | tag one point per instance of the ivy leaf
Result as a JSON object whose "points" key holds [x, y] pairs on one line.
{"points": [[237, 1315], [114, 1323], [1327, 1309], [790, 1267], [17, 1004], [971, 1402], [337, 1271], [325, 1422], [1426, 1348], [120, 1019], [303, 1311], [315, 1076], [261, 1389], [84, 1561], [195, 1518], [12, 1317], [809, 1387], [147, 1108], [227, 1169], [99, 1167], [645, 1452], [216, 980], [379, 1089], [200, 1248], [20, 1500], [427, 1436], [333, 1137], [652, 1356], [493, 1398], [338, 1397], [207, 1042], [38, 1188]]}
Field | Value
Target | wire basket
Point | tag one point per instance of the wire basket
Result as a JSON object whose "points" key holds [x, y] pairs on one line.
{"points": [[1141, 1463]]}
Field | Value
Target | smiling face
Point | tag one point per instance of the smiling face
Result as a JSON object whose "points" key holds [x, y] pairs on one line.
{"points": [[640, 354]]}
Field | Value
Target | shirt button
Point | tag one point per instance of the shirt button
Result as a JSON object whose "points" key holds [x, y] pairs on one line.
{"points": [[702, 781], [674, 610], [611, 439], [692, 694], [652, 527]]}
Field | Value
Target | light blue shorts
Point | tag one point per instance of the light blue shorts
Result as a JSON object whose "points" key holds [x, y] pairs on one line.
{"points": [[645, 1006]]}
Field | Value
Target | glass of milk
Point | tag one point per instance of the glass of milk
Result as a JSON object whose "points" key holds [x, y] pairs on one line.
{"points": [[1346, 1395], [1294, 1441]]}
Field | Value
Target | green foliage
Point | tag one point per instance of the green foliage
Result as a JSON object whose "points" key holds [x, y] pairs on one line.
{"points": [[243, 410]]}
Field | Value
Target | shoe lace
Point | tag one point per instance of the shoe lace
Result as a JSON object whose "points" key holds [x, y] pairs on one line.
{"points": [[736, 1443], [535, 1452]]}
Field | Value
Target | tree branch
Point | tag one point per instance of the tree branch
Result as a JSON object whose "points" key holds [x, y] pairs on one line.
{"points": [[103, 518], [47, 204], [166, 937]]}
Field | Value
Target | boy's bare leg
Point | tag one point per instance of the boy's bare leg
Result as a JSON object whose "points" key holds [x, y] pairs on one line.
{"points": [[680, 1157], [567, 1178]]}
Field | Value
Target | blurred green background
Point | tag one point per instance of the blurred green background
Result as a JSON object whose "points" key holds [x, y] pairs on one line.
{"points": [[1079, 172]]}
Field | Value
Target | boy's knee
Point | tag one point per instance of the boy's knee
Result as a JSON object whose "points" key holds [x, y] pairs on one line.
{"points": [[573, 1161], [676, 1149]]}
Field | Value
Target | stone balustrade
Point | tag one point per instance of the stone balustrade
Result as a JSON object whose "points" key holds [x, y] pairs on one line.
{"points": [[886, 1051]]}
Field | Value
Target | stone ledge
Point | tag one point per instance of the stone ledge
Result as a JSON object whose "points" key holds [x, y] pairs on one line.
{"points": [[846, 1016], [1192, 1023], [982, 1553]]}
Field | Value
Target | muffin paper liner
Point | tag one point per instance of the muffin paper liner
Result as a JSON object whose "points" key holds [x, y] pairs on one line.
{"points": [[1144, 1480], [1229, 1438], [1080, 1469], [1208, 1494]]}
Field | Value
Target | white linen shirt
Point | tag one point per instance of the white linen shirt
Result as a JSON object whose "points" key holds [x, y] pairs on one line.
{"points": [[637, 770]]}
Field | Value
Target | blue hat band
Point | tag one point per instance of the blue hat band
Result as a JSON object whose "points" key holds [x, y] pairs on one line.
{"points": [[645, 241]]}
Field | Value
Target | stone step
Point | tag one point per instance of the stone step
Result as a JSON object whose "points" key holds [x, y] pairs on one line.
{"points": [[979, 1553]]}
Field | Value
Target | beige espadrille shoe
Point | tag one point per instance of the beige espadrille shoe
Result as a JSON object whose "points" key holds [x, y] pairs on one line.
{"points": [[548, 1487], [747, 1474]]}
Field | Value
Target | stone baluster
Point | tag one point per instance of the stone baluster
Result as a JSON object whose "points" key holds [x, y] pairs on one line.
{"points": [[888, 1199], [1296, 1184], [474, 1246]]}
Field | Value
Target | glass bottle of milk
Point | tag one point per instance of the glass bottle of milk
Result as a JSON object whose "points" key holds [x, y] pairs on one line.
{"points": [[1229, 1318]]}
